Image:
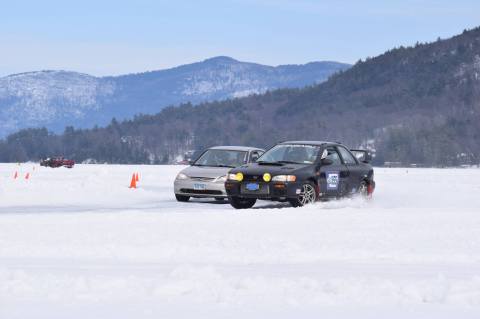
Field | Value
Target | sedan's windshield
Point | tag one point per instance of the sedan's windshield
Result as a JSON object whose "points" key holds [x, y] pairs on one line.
{"points": [[221, 158], [290, 153]]}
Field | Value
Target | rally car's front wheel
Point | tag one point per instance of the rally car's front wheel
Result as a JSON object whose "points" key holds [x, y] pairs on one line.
{"points": [[242, 203], [307, 195]]}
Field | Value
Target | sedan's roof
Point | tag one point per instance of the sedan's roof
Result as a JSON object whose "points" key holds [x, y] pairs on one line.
{"points": [[235, 148], [317, 143]]}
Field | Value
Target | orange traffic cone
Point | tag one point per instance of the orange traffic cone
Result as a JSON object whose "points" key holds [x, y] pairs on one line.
{"points": [[27, 176], [136, 177], [16, 175], [133, 183]]}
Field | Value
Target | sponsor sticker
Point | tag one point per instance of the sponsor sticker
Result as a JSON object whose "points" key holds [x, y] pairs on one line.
{"points": [[332, 180]]}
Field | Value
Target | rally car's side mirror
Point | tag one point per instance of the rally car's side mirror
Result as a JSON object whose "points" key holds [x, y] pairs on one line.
{"points": [[326, 161]]}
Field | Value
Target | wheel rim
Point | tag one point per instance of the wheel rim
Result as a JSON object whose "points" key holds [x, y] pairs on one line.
{"points": [[307, 195]]}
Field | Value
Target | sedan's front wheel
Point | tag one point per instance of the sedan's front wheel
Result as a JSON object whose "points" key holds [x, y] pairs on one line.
{"points": [[307, 195], [182, 198]]}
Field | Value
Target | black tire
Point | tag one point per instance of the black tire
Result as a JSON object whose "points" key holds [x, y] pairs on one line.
{"points": [[219, 199], [307, 196], [363, 190], [242, 203], [182, 198]]}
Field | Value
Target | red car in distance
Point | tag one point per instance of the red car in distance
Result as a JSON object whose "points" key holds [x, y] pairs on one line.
{"points": [[57, 162]]}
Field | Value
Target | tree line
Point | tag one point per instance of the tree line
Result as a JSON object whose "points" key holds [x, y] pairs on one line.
{"points": [[414, 105]]}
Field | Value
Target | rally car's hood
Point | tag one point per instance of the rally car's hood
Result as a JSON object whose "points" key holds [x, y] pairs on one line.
{"points": [[259, 169], [206, 171]]}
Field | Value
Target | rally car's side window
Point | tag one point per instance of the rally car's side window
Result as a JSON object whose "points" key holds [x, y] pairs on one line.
{"points": [[347, 157], [333, 156]]}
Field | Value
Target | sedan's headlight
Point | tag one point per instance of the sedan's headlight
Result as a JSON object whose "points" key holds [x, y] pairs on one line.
{"points": [[235, 177], [284, 178], [181, 176], [220, 179]]}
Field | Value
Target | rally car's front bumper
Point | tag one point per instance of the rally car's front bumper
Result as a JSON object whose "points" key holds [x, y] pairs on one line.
{"points": [[266, 190]]}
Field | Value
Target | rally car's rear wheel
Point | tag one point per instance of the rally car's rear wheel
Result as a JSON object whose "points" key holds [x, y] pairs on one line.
{"points": [[363, 190], [242, 203], [307, 195]]}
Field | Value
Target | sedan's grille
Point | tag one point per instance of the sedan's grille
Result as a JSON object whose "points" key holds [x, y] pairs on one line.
{"points": [[202, 179]]}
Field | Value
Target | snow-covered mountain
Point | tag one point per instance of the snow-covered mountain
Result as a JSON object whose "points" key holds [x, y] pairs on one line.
{"points": [[56, 99], [50, 98]]}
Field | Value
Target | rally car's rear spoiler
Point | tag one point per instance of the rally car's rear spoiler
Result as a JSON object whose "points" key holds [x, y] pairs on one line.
{"points": [[362, 155]]}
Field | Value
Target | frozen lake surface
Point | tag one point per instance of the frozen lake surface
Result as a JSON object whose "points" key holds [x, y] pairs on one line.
{"points": [[80, 244]]}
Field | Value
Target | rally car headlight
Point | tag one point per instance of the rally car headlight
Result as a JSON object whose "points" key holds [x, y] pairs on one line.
{"points": [[284, 178], [235, 177], [221, 179], [182, 176]]}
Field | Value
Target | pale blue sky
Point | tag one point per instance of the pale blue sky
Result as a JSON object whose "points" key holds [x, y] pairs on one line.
{"points": [[114, 37]]}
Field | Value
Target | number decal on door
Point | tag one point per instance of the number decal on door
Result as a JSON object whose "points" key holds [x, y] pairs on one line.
{"points": [[332, 180]]}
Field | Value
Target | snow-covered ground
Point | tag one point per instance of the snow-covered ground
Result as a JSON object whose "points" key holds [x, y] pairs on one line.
{"points": [[79, 244]]}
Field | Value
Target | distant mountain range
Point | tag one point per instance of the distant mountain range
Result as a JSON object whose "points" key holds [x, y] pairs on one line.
{"points": [[56, 99], [411, 105]]}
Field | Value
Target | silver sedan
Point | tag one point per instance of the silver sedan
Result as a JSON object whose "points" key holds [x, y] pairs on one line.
{"points": [[206, 176]]}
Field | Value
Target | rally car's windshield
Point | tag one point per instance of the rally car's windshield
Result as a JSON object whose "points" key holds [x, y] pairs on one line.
{"points": [[290, 153], [222, 158]]}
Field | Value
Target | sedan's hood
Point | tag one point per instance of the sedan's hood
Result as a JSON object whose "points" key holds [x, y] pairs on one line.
{"points": [[206, 171]]}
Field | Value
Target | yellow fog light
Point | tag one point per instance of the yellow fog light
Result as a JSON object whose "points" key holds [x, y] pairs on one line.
{"points": [[267, 177], [239, 176]]}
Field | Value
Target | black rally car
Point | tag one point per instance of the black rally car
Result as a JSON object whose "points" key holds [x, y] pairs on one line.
{"points": [[301, 172]]}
